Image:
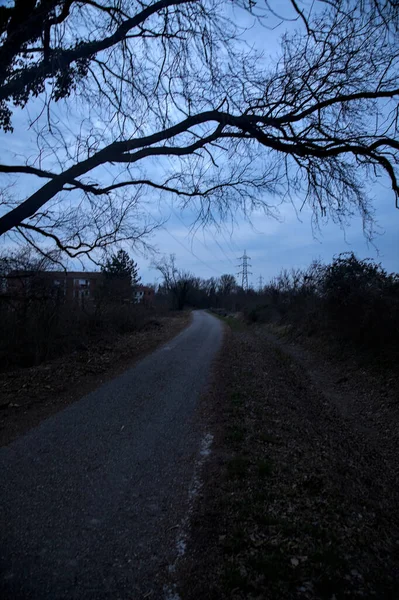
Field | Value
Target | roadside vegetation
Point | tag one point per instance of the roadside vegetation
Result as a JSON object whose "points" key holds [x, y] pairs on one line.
{"points": [[351, 306]]}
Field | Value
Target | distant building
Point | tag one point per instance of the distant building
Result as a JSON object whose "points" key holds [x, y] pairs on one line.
{"points": [[143, 294], [72, 285]]}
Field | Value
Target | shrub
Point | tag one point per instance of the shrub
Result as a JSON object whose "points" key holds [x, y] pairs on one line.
{"points": [[352, 300], [361, 301]]}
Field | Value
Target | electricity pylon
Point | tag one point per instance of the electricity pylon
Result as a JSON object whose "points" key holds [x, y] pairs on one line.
{"points": [[244, 270]]}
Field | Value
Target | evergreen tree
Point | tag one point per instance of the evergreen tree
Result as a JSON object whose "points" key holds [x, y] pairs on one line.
{"points": [[120, 265], [121, 274]]}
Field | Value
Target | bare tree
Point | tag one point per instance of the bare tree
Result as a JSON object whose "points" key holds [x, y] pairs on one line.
{"points": [[227, 284], [177, 282], [26, 259], [166, 96], [23, 265]]}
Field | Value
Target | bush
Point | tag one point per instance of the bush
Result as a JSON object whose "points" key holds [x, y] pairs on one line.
{"points": [[351, 300], [361, 301]]}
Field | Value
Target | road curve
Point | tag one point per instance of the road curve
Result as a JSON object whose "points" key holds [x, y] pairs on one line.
{"points": [[91, 498]]}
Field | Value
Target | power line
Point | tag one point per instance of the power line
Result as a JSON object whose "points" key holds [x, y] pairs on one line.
{"points": [[193, 233], [244, 270], [228, 258], [188, 250], [260, 282], [183, 246], [232, 245]]}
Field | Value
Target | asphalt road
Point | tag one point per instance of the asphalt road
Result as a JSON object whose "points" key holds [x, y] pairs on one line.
{"points": [[91, 499]]}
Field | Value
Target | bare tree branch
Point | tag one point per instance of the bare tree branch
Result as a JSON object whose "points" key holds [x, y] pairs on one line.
{"points": [[167, 96]]}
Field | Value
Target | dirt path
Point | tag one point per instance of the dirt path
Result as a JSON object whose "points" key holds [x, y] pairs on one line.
{"points": [[95, 501], [367, 401], [302, 497]]}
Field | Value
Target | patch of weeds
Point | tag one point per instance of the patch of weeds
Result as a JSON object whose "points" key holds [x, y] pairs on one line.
{"points": [[317, 532], [329, 556], [235, 434], [265, 519], [237, 467], [265, 468], [278, 330], [225, 504], [316, 535], [282, 356], [314, 484], [258, 412], [288, 528], [332, 562], [234, 324], [261, 496], [244, 512], [329, 586]]}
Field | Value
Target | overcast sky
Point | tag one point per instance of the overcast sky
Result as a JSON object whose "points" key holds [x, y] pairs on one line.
{"points": [[272, 244]]}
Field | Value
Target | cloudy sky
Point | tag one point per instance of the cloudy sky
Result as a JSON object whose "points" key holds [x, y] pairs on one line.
{"points": [[290, 241], [271, 244]]}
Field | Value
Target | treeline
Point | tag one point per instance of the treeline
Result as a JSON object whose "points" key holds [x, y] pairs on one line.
{"points": [[181, 289], [349, 300]]}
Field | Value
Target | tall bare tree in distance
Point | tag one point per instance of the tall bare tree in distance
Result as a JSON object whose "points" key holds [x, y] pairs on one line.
{"points": [[175, 281], [131, 97]]}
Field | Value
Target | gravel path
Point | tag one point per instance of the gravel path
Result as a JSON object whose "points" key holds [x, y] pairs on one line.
{"points": [[93, 498]]}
